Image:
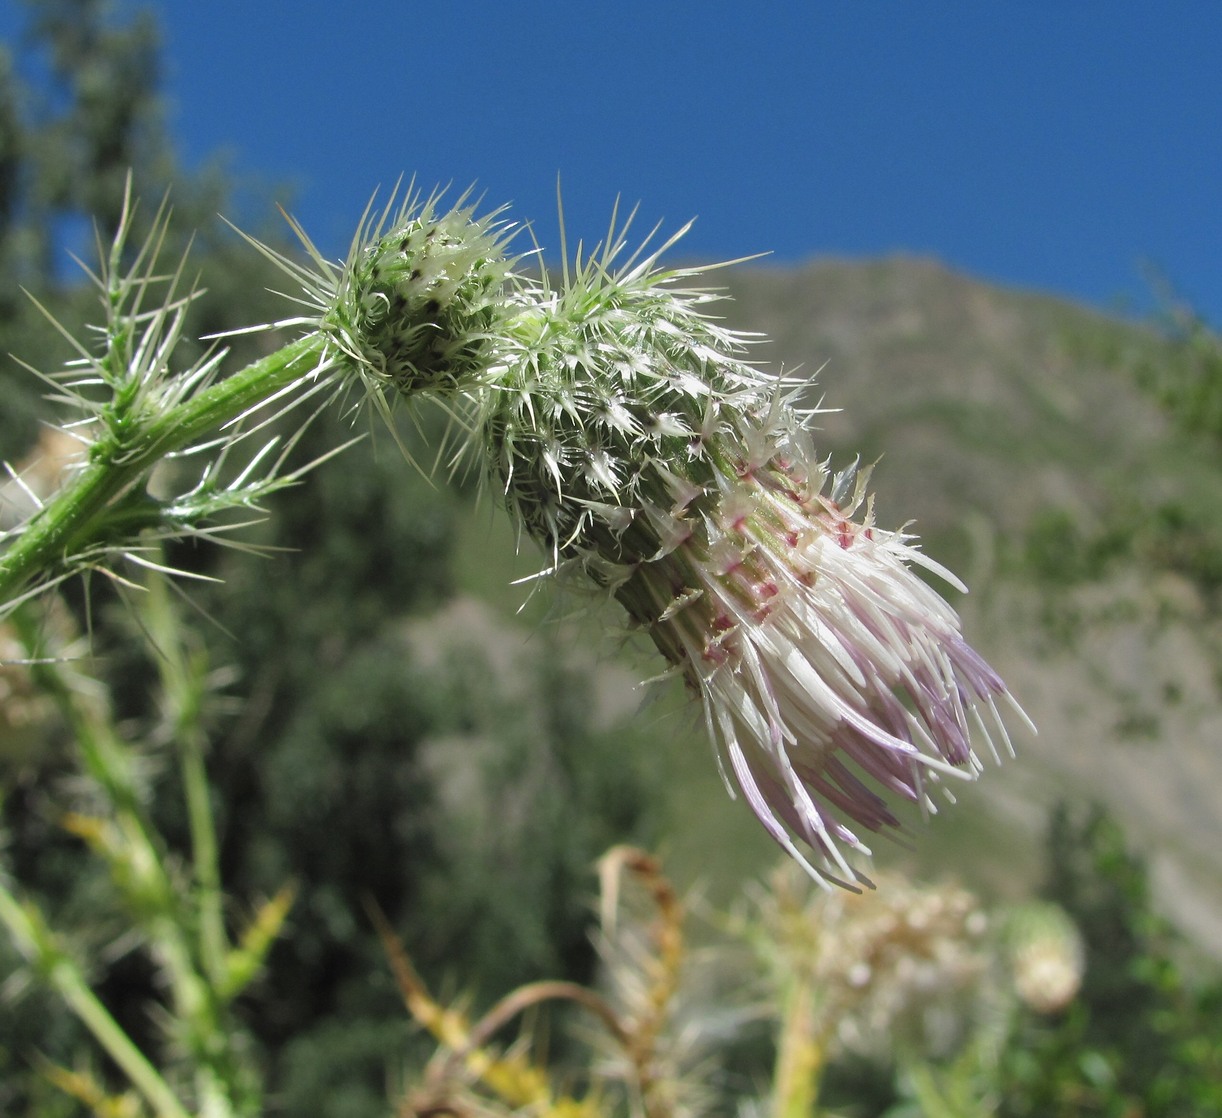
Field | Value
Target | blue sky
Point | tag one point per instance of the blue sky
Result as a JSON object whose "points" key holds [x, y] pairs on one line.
{"points": [[1054, 144]]}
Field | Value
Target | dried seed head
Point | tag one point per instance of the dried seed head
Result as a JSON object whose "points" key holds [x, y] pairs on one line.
{"points": [[905, 967]]}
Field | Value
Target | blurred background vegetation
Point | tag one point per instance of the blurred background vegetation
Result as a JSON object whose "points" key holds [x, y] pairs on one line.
{"points": [[389, 727]]}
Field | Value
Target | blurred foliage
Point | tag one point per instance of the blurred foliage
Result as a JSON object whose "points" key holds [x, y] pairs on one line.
{"points": [[1066, 547], [1145, 1036], [1189, 385], [79, 109], [1063, 549], [1075, 1006], [640, 1058]]}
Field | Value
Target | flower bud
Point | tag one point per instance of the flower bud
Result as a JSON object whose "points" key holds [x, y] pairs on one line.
{"points": [[415, 308]]}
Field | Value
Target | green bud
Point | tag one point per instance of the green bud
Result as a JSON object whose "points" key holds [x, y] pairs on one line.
{"points": [[416, 307]]}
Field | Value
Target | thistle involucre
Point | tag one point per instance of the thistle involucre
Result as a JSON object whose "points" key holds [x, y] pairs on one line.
{"points": [[632, 440]]}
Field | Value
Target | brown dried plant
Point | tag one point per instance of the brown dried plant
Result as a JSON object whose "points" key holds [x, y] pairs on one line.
{"points": [[634, 1070]]}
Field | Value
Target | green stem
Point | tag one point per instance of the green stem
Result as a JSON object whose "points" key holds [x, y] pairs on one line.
{"points": [[800, 1053], [141, 864], [137, 860], [182, 687], [225, 401], [70, 521], [34, 941], [213, 945], [114, 1040]]}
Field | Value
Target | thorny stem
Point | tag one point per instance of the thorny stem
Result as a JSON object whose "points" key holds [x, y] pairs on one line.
{"points": [[114, 469], [108, 760], [644, 1032]]}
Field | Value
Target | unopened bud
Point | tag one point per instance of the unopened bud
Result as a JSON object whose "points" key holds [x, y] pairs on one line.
{"points": [[416, 306]]}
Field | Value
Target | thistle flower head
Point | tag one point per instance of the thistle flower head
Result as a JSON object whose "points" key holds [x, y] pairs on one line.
{"points": [[417, 304], [635, 443], [630, 437]]}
